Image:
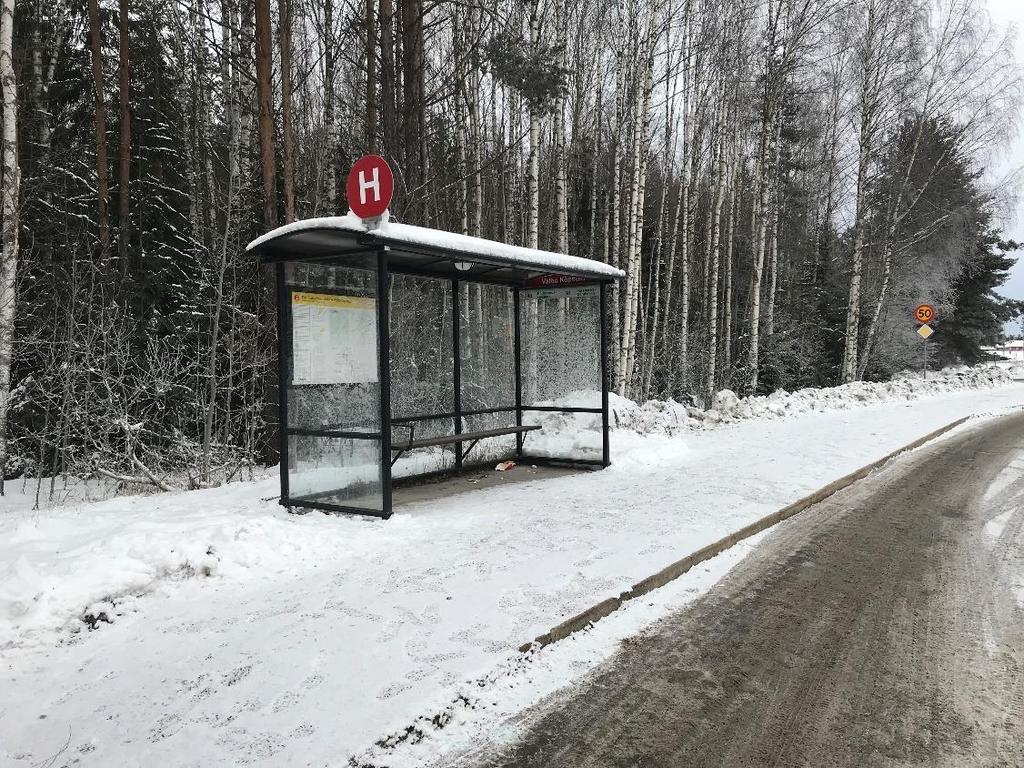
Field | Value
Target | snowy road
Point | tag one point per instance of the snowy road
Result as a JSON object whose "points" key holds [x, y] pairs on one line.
{"points": [[883, 627], [314, 637]]}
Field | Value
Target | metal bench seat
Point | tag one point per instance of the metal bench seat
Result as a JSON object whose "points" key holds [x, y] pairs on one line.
{"points": [[463, 437]]}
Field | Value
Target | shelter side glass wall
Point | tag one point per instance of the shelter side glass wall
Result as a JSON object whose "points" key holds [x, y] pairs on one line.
{"points": [[333, 387], [422, 371], [487, 354], [487, 347], [422, 367], [560, 330]]}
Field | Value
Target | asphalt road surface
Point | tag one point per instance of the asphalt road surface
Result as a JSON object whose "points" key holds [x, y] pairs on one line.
{"points": [[884, 627]]}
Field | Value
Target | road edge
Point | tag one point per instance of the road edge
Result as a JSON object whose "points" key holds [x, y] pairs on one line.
{"points": [[674, 570]]}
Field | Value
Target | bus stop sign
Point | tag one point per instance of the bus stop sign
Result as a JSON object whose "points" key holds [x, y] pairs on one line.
{"points": [[370, 187]]}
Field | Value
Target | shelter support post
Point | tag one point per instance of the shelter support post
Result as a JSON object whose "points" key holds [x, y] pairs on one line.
{"points": [[517, 356], [457, 370], [284, 362], [605, 448], [384, 374]]}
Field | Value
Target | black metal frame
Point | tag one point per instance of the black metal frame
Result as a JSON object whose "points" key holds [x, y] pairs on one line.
{"points": [[384, 270]]}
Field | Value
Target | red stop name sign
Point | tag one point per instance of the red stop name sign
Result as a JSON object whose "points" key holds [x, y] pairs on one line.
{"points": [[370, 187], [548, 281]]}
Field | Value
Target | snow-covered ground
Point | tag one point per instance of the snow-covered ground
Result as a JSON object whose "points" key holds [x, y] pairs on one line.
{"points": [[241, 634]]}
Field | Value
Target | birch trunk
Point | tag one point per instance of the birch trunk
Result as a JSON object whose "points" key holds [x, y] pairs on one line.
{"points": [[685, 57], [760, 236], [533, 164], [882, 295], [640, 141], [613, 238], [683, 363], [594, 180], [773, 236], [868, 103], [561, 206], [773, 273], [715, 248], [654, 311], [10, 181], [727, 309], [850, 352], [475, 137]]}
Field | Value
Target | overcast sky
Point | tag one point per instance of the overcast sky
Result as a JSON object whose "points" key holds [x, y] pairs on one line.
{"points": [[1011, 163]]}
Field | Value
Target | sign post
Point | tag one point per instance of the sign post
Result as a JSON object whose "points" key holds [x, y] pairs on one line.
{"points": [[924, 314]]}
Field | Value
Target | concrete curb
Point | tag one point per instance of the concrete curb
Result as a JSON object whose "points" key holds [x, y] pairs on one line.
{"points": [[678, 568]]}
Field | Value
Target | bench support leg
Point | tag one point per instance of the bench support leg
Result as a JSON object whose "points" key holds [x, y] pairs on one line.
{"points": [[465, 453]]}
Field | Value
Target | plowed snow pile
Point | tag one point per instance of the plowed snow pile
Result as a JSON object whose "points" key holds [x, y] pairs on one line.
{"points": [[658, 416]]}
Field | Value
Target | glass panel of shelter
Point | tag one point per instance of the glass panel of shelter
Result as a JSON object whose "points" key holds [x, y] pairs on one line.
{"points": [[423, 369], [488, 368], [560, 329], [333, 417]]}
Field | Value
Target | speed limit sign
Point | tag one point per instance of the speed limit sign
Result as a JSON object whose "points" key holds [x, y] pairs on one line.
{"points": [[924, 313]]}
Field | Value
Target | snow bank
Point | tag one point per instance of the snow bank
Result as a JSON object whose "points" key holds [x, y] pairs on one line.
{"points": [[61, 568], [669, 417]]}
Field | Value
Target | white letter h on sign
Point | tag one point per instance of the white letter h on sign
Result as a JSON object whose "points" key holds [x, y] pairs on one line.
{"points": [[365, 185]]}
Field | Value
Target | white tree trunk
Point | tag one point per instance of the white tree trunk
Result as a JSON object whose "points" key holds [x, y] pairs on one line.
{"points": [[627, 354], [9, 189], [868, 105], [561, 204], [533, 164], [715, 249], [761, 214], [727, 309]]}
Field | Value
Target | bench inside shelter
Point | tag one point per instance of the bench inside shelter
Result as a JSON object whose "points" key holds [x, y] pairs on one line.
{"points": [[465, 437], [406, 352]]}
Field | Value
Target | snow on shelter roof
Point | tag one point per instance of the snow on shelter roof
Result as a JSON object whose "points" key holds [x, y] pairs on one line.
{"points": [[312, 237]]}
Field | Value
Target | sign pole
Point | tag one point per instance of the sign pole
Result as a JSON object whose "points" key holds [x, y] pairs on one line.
{"points": [[924, 314]]}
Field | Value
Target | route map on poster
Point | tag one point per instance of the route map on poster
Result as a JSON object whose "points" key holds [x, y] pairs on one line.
{"points": [[334, 339]]}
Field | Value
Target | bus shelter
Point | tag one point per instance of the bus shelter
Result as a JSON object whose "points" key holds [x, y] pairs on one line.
{"points": [[408, 352]]}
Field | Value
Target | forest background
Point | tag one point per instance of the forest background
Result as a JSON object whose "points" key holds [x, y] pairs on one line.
{"points": [[781, 180]]}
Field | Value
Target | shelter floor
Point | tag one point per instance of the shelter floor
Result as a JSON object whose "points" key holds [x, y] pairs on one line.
{"points": [[413, 490]]}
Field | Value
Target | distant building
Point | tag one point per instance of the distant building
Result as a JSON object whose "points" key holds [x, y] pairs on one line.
{"points": [[1011, 351]]}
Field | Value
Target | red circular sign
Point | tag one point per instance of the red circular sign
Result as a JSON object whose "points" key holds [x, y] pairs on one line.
{"points": [[370, 186], [924, 313]]}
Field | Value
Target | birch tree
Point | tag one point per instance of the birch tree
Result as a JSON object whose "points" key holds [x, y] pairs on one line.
{"points": [[882, 60], [10, 182]]}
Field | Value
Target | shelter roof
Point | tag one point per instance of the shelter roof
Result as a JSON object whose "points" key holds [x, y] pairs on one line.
{"points": [[432, 251]]}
